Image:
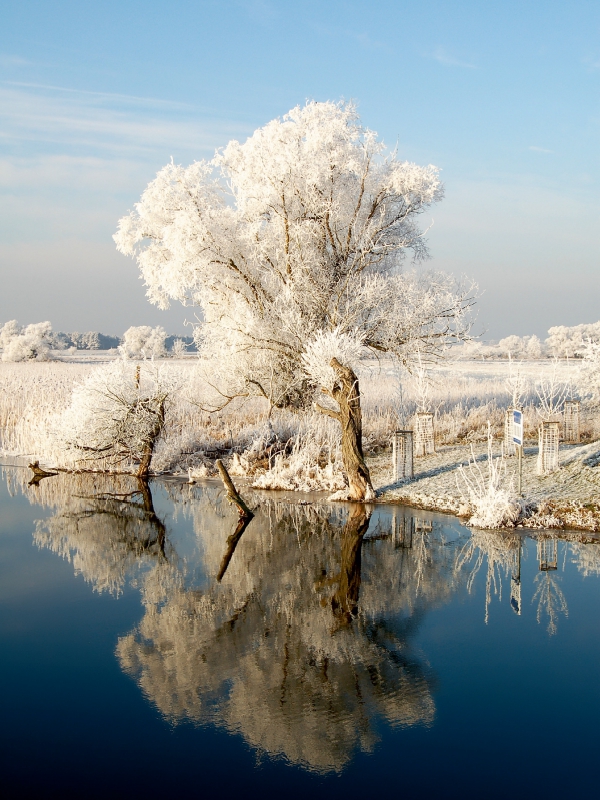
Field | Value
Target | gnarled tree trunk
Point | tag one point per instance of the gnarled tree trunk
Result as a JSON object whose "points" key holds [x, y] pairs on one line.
{"points": [[346, 393], [157, 416]]}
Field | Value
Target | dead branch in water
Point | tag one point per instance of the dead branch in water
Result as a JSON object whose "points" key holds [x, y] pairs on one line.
{"points": [[39, 473], [245, 517], [232, 492]]}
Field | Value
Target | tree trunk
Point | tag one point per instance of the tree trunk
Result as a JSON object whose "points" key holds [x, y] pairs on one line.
{"points": [[153, 434], [346, 393], [344, 602]]}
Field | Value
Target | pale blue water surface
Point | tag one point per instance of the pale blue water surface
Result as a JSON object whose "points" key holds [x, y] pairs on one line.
{"points": [[148, 650]]}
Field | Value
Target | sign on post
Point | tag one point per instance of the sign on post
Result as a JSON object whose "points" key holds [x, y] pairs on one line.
{"points": [[518, 440], [518, 427]]}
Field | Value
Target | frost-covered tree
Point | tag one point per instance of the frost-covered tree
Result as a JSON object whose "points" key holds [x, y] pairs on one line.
{"points": [[28, 343], [179, 348], [116, 417], [142, 341], [534, 348], [566, 342], [512, 346], [298, 233]]}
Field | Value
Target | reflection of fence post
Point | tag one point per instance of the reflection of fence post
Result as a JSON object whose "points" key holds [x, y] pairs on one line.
{"points": [[403, 529], [424, 442], [571, 421], [509, 446], [547, 553], [549, 435], [422, 525], [402, 454]]}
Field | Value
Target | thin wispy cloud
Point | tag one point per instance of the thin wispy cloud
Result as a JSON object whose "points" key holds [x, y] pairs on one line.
{"points": [[363, 39], [8, 61], [592, 64], [34, 115], [536, 149], [443, 57], [110, 96]]}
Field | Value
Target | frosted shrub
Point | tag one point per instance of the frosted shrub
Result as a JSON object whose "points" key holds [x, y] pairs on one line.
{"points": [[116, 417], [144, 342], [552, 391], [25, 344], [490, 492], [314, 463]]}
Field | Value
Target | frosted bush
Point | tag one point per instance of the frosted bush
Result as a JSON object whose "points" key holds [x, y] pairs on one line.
{"points": [[314, 463], [179, 348], [490, 492], [31, 343], [552, 391], [116, 416]]}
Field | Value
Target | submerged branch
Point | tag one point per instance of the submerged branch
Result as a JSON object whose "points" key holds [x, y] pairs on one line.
{"points": [[232, 492]]}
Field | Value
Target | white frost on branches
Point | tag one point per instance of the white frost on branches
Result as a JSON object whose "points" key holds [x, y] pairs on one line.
{"points": [[490, 491], [552, 392], [567, 342], [115, 414], [325, 345], [142, 341], [296, 233], [29, 343]]}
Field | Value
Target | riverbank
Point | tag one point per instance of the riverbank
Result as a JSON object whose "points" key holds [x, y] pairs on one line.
{"points": [[568, 498]]}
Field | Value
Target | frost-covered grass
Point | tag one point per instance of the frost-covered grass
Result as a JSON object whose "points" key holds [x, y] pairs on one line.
{"points": [[300, 451]]}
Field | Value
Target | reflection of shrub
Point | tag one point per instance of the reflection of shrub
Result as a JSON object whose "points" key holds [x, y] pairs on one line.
{"points": [[31, 343], [490, 492], [117, 416]]}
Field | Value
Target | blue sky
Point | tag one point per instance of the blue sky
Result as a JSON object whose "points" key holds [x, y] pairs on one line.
{"points": [[503, 96]]}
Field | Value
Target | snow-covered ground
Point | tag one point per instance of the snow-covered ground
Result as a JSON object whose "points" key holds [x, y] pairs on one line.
{"points": [[567, 498]]}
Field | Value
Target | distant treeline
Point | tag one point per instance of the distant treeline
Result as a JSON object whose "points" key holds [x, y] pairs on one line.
{"points": [[93, 340]]}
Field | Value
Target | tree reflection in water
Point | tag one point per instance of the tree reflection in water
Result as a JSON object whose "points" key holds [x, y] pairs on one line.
{"points": [[304, 644], [107, 527], [289, 649], [296, 632]]}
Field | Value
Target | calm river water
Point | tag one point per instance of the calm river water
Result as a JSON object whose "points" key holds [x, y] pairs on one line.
{"points": [[148, 650]]}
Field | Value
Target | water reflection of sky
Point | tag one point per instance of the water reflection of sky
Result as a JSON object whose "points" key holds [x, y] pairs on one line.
{"points": [[332, 636]]}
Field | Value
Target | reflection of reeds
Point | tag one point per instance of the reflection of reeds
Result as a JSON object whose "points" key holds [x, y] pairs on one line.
{"points": [[498, 551], [550, 599]]}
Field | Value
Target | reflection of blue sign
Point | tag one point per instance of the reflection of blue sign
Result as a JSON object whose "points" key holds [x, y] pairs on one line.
{"points": [[518, 427]]}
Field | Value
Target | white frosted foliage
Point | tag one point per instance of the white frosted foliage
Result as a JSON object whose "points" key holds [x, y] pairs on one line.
{"points": [[28, 343], [347, 348], [294, 236], [142, 341], [112, 414]]}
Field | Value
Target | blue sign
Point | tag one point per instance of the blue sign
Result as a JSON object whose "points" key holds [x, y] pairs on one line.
{"points": [[518, 427]]}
